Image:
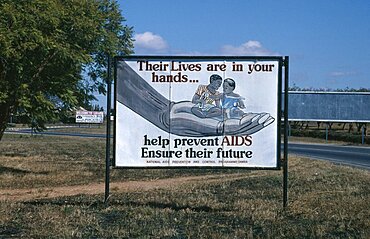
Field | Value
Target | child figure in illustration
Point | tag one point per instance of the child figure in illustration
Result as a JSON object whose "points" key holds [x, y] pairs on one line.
{"points": [[207, 98], [231, 102]]}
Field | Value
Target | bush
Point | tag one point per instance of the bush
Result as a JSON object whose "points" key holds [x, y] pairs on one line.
{"points": [[332, 135]]}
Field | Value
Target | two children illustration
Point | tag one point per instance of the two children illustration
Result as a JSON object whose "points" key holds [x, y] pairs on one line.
{"points": [[211, 103]]}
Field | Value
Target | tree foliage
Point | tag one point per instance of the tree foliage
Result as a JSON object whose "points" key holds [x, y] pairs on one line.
{"points": [[48, 46]]}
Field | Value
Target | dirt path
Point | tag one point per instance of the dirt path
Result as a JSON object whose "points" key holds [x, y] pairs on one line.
{"points": [[18, 195]]}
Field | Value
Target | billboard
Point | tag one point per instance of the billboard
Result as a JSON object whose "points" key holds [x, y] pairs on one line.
{"points": [[329, 106], [91, 117], [197, 112]]}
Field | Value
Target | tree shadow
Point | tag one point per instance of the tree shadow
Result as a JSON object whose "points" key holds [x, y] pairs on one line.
{"points": [[13, 170], [81, 200], [172, 206], [10, 230], [4, 170]]}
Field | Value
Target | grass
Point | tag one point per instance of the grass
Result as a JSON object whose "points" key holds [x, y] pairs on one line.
{"points": [[325, 200], [83, 129]]}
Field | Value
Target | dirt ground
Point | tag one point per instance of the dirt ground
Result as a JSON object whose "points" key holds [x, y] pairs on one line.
{"points": [[21, 195]]}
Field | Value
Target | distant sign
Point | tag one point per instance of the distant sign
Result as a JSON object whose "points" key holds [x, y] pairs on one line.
{"points": [[91, 117], [197, 112], [329, 106]]}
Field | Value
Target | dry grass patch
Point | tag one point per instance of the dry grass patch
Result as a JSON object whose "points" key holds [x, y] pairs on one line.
{"points": [[325, 200]]}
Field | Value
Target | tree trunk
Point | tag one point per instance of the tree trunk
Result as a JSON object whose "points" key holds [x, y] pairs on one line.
{"points": [[330, 125], [350, 127], [4, 118], [359, 126]]}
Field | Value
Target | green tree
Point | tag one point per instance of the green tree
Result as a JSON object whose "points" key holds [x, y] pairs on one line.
{"points": [[47, 47]]}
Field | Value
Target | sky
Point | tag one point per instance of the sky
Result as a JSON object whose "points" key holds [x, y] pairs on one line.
{"points": [[327, 41]]}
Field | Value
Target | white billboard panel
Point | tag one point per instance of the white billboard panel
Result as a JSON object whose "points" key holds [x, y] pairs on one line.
{"points": [[197, 112], [91, 117]]}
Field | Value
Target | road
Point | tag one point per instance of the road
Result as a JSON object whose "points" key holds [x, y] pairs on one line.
{"points": [[347, 155]]}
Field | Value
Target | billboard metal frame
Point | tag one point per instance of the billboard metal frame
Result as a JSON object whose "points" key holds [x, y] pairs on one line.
{"points": [[282, 162]]}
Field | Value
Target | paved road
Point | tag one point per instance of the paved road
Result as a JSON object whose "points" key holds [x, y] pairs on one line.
{"points": [[348, 155]]}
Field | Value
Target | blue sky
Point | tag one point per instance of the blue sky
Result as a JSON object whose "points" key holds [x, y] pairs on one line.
{"points": [[327, 41]]}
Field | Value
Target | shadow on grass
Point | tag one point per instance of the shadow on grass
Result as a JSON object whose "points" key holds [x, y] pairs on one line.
{"points": [[10, 230], [79, 201], [172, 206], [4, 170], [95, 203]]}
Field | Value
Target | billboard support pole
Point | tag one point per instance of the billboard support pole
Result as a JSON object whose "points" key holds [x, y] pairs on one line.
{"points": [[286, 129], [108, 136]]}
